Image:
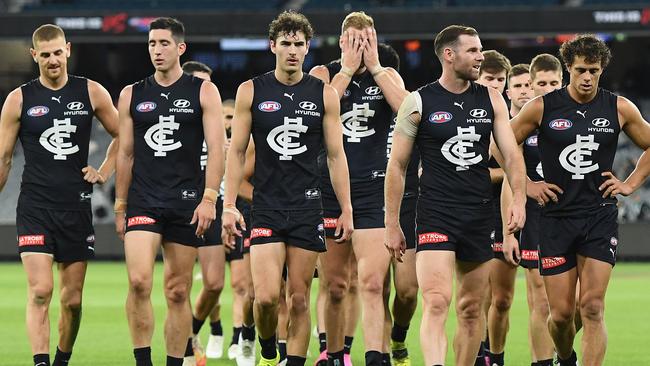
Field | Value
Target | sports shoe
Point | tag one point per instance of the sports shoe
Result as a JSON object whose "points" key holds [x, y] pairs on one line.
{"points": [[233, 351], [400, 354], [246, 355], [270, 361], [322, 359], [214, 349], [283, 362], [199, 352], [347, 360], [189, 361]]}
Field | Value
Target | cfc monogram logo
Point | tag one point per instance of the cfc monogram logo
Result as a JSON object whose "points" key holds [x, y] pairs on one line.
{"points": [[573, 157], [455, 149], [52, 139], [280, 138], [355, 122], [156, 136]]}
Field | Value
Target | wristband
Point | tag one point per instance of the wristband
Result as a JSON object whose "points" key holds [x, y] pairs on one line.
{"points": [[120, 205], [346, 71], [210, 195], [378, 70]]}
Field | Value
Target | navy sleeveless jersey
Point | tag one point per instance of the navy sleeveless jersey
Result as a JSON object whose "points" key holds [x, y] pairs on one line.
{"points": [[577, 142], [287, 128], [411, 180], [533, 162], [55, 132], [366, 117], [167, 142], [453, 140]]}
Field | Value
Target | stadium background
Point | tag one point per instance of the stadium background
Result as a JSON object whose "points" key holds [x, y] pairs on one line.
{"points": [[109, 45]]}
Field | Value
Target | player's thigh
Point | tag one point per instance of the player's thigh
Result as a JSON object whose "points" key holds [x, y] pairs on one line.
{"points": [[212, 259], [372, 257], [140, 249], [502, 278], [266, 264], [38, 268], [435, 269], [405, 275], [300, 265], [471, 279]]}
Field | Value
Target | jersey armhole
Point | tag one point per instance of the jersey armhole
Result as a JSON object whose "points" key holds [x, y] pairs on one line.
{"points": [[418, 101]]}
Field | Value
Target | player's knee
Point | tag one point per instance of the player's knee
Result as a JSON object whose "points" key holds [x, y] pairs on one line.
{"points": [[140, 286], [407, 295], [239, 288], [502, 303], [435, 303], [562, 315], [373, 285], [469, 309], [267, 300], [72, 303], [592, 309], [41, 295], [177, 293], [213, 286], [353, 287], [298, 303], [337, 290], [541, 307]]}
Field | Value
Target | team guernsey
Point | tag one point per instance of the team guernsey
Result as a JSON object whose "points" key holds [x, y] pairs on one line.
{"points": [[529, 235], [577, 142], [366, 118], [455, 210], [167, 181], [54, 214], [287, 128]]}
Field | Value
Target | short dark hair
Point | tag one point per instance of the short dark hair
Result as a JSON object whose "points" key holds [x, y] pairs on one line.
{"points": [[388, 56], [518, 69], [544, 62], [194, 66], [289, 22], [449, 37], [588, 46], [47, 32], [173, 25], [494, 62]]}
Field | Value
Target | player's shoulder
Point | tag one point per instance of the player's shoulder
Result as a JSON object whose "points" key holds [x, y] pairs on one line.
{"points": [[14, 101]]}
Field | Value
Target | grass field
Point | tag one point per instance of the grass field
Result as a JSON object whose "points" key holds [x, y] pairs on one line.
{"points": [[104, 338]]}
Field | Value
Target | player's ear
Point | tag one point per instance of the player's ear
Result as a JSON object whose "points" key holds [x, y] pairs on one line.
{"points": [[68, 47], [33, 53], [182, 47], [308, 43], [272, 45]]}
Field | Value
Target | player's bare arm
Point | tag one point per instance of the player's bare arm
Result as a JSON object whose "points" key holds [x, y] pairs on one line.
{"points": [[510, 243], [638, 130], [9, 127], [235, 162], [389, 80], [408, 119], [107, 114], [352, 45], [513, 161], [214, 134], [337, 162], [124, 161], [246, 187]]}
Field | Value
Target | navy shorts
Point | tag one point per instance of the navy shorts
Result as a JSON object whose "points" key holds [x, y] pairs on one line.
{"points": [[212, 235], [529, 236], [367, 206], [464, 230], [595, 235], [298, 228], [67, 235], [172, 223], [407, 216]]}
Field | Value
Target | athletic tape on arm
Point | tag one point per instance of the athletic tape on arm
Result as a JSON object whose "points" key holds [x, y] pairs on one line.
{"points": [[405, 124]]}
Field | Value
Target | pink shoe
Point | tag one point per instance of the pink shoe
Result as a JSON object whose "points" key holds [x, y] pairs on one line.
{"points": [[322, 359], [347, 360]]}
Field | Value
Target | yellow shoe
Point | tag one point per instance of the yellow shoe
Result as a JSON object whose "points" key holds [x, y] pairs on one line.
{"points": [[400, 354], [269, 362]]}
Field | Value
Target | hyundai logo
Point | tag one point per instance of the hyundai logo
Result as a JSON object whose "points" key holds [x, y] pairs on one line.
{"points": [[181, 103], [600, 122], [307, 105], [373, 90], [478, 113], [75, 106]]}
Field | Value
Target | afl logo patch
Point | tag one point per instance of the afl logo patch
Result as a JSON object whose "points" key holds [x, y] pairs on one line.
{"points": [[440, 117], [560, 124], [269, 106], [531, 141], [600, 122], [478, 113], [75, 106], [145, 107], [307, 105], [181, 103], [37, 111]]}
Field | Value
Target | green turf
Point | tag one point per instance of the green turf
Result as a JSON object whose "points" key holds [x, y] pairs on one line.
{"points": [[104, 337]]}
